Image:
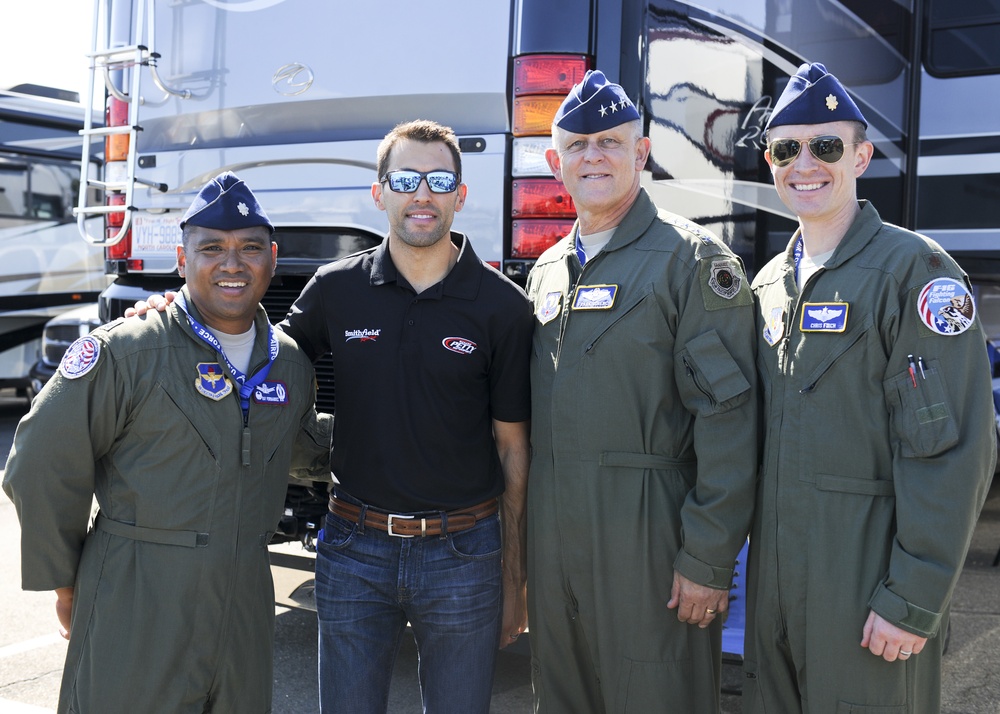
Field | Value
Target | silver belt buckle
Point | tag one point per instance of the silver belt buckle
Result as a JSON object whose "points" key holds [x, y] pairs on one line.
{"points": [[389, 526]]}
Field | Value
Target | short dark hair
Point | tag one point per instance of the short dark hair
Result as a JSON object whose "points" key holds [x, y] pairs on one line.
{"points": [[419, 130]]}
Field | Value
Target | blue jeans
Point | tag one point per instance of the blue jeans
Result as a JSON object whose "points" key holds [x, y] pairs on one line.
{"points": [[370, 584]]}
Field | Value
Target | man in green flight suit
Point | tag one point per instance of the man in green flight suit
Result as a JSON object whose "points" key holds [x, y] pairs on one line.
{"points": [[643, 432], [880, 434], [182, 425]]}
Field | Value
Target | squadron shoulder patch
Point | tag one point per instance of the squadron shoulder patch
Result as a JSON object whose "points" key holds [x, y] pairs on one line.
{"points": [[725, 280], [80, 357], [946, 307]]}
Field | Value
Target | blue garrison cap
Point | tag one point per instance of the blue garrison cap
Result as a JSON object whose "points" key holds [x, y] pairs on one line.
{"points": [[226, 203], [814, 96], [594, 105]]}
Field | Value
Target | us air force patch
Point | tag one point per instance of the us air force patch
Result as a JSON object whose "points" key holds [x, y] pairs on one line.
{"points": [[946, 307], [550, 308], [725, 280], [774, 330], [80, 357], [824, 317], [595, 297], [271, 393], [211, 382]]}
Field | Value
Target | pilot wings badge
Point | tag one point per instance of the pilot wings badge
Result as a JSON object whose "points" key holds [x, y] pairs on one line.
{"points": [[212, 381]]}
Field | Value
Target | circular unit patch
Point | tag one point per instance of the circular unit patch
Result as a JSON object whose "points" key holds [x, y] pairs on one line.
{"points": [[80, 357], [946, 307]]}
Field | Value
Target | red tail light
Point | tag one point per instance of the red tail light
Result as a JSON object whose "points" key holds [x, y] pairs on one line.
{"points": [[530, 238], [120, 250], [548, 74], [540, 197]]}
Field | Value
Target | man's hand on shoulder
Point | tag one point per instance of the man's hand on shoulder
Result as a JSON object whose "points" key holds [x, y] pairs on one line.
{"points": [[153, 302]]}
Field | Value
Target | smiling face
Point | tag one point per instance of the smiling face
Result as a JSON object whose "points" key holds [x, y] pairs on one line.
{"points": [[422, 218], [227, 273], [812, 189], [600, 171]]}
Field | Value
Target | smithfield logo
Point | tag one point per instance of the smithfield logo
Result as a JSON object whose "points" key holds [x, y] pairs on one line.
{"points": [[363, 335], [292, 79], [459, 344]]}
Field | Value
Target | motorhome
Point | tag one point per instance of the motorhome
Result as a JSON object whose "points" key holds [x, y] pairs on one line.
{"points": [[295, 95], [45, 268]]}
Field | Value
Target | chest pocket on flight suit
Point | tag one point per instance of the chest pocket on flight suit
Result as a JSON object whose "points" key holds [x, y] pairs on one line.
{"points": [[921, 416]]}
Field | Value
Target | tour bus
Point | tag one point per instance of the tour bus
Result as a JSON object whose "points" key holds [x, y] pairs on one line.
{"points": [[45, 268], [294, 96]]}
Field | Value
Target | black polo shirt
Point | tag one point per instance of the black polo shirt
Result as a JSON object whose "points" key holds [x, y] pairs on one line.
{"points": [[419, 378]]}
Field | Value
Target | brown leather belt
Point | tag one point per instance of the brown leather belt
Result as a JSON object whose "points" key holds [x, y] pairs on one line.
{"points": [[410, 526]]}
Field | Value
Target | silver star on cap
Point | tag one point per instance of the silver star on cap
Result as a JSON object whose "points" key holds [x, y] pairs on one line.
{"points": [[242, 208], [603, 110]]}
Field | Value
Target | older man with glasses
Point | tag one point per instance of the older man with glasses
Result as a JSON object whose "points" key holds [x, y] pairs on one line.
{"points": [[880, 437]]}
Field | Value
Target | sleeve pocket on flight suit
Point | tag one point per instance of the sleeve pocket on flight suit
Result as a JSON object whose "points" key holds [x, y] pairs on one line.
{"points": [[715, 374], [921, 415]]}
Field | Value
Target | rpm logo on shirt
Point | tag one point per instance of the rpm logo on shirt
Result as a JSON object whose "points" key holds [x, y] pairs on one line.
{"points": [[459, 344]]}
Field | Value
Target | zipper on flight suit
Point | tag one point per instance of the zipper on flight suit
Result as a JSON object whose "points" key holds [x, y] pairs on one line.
{"points": [[575, 278], [694, 378]]}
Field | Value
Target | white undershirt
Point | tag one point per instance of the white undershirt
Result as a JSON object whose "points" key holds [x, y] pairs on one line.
{"points": [[595, 242], [810, 264], [238, 347]]}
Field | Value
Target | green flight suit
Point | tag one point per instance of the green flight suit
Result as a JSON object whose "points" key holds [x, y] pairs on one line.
{"points": [[873, 475], [644, 460], [173, 603]]}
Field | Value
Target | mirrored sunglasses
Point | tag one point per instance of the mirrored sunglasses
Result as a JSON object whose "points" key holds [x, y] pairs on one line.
{"points": [[409, 181], [828, 149]]}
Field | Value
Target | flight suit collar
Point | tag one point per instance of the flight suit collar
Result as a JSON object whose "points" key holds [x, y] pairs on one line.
{"points": [[866, 224], [260, 346], [858, 236], [633, 225]]}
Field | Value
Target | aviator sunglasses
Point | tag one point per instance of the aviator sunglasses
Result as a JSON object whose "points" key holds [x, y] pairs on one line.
{"points": [[409, 181], [828, 149]]}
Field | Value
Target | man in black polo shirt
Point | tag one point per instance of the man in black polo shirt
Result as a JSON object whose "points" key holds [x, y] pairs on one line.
{"points": [[430, 349]]}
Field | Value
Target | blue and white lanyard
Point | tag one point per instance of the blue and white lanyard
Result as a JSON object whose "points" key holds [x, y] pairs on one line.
{"points": [[797, 256], [580, 252], [246, 384]]}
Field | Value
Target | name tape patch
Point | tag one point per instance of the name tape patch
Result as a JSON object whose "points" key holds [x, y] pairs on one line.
{"points": [[595, 297], [824, 317], [273, 393]]}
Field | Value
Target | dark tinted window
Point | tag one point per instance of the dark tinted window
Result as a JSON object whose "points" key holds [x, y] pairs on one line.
{"points": [[962, 37]]}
